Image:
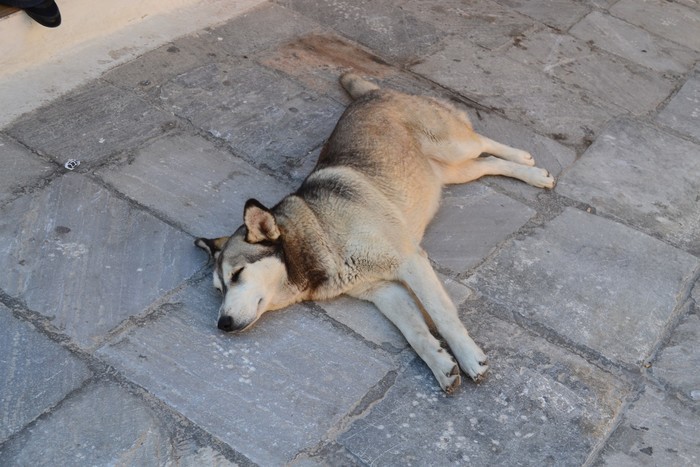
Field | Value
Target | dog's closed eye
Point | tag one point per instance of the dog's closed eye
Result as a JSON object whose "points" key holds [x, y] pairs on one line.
{"points": [[236, 275]]}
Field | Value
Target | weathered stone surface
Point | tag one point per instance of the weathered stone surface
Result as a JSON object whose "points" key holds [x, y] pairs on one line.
{"points": [[608, 77], [473, 219], [104, 119], [269, 392], [318, 60], [382, 25], [559, 14], [272, 124], [594, 282], [666, 19], [234, 39], [482, 22], [522, 93], [36, 374], [20, 168], [194, 183], [365, 319], [679, 360], [633, 43], [656, 430], [540, 405], [683, 111], [548, 154], [103, 425], [643, 176], [86, 259]]}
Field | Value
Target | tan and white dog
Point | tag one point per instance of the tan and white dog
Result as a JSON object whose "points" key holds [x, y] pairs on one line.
{"points": [[355, 225]]}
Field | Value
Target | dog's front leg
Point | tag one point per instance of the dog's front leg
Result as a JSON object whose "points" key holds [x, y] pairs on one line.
{"points": [[419, 276], [394, 301]]}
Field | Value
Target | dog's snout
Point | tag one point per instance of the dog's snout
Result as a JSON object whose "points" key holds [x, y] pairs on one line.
{"points": [[226, 324]]}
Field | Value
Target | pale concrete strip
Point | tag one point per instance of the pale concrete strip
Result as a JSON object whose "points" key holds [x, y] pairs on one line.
{"points": [[39, 64]]}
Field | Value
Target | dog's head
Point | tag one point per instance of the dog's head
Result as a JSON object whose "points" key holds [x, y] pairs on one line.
{"points": [[249, 269]]}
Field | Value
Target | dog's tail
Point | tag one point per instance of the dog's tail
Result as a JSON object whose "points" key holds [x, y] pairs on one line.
{"points": [[356, 86]]}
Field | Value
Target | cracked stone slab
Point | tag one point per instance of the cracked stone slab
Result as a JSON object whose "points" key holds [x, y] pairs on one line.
{"points": [[633, 43], [20, 169], [558, 14], [194, 183], [105, 425], [239, 37], [382, 25], [268, 393], [683, 111], [272, 124], [666, 19], [472, 221], [365, 319], [481, 22], [539, 405], [522, 93], [87, 260], [104, 120], [594, 282], [643, 176], [678, 360], [657, 429], [37, 374], [608, 77]]}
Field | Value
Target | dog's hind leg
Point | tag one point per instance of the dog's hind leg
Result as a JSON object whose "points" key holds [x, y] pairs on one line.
{"points": [[476, 168], [419, 276], [394, 301], [506, 152]]}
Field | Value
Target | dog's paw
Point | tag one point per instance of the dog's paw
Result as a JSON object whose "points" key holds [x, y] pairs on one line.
{"points": [[476, 365], [525, 158], [542, 179]]}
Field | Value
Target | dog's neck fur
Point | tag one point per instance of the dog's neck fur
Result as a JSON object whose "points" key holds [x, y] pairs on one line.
{"points": [[308, 255]]}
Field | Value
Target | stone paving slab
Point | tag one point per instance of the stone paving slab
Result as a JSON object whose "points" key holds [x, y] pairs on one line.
{"points": [[633, 43], [666, 19], [87, 260], [268, 393], [230, 41], [104, 119], [683, 111], [522, 93], [597, 283], [382, 25], [678, 361], [105, 425], [472, 221], [20, 169], [482, 22], [271, 124], [643, 176], [194, 183], [609, 78], [557, 14], [656, 430], [36, 374], [535, 391]]}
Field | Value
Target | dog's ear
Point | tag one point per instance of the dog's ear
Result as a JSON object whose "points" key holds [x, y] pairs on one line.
{"points": [[213, 246], [259, 222]]}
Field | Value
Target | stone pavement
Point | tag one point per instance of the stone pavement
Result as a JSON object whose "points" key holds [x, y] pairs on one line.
{"points": [[586, 298]]}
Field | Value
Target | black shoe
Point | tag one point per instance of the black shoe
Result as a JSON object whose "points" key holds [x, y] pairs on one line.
{"points": [[45, 13]]}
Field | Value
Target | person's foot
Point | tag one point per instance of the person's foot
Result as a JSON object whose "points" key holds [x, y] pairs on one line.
{"points": [[45, 13]]}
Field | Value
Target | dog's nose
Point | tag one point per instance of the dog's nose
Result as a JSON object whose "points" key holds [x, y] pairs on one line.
{"points": [[226, 324]]}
